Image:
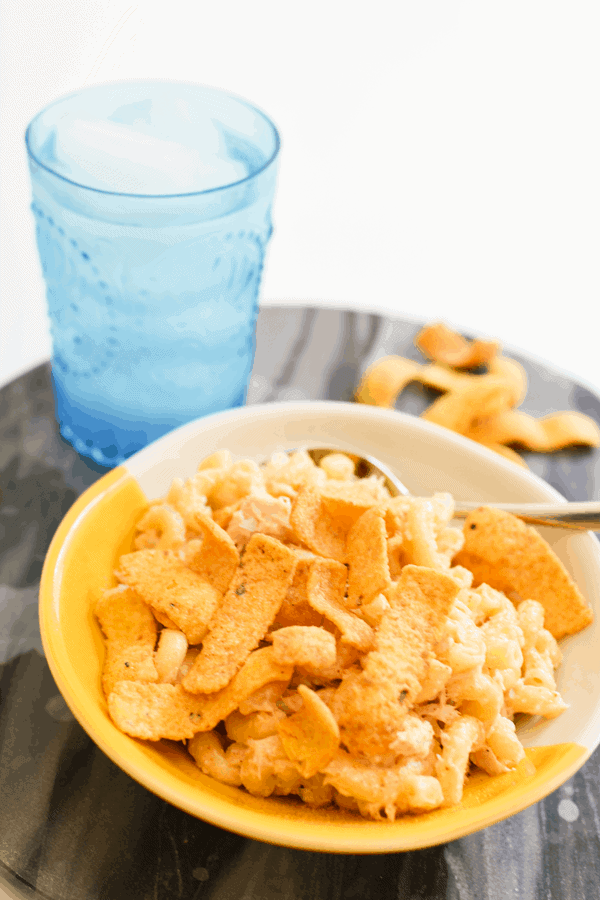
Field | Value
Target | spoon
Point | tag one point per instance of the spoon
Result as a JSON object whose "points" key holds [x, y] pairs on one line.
{"points": [[578, 516]]}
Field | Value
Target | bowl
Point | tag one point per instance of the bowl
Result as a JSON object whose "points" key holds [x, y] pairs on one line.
{"points": [[100, 526]]}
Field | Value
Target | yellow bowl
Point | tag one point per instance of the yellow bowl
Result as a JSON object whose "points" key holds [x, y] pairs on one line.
{"points": [[100, 526]]}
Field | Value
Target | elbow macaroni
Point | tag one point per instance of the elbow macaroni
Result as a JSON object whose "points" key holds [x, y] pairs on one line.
{"points": [[493, 660]]}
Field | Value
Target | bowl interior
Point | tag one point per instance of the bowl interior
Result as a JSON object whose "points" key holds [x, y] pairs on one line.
{"points": [[100, 526]]}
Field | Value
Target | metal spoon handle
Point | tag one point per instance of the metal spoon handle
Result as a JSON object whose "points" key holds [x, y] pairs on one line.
{"points": [[582, 516]]}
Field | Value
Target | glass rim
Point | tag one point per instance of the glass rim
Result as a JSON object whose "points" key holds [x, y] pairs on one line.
{"points": [[214, 190]]}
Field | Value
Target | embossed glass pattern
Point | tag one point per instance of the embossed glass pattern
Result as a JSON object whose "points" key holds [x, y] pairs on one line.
{"points": [[152, 295]]}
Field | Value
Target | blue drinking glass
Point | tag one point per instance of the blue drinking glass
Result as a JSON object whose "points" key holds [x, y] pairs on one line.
{"points": [[152, 203]]}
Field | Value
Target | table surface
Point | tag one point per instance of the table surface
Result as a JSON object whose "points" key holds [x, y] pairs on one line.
{"points": [[73, 825]]}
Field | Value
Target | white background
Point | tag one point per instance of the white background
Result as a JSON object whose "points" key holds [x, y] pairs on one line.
{"points": [[440, 158]]}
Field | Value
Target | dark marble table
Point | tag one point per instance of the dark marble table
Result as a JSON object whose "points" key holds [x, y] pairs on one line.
{"points": [[73, 826]]}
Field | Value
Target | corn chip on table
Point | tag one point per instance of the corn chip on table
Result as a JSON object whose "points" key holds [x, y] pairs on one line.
{"points": [[75, 827]]}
